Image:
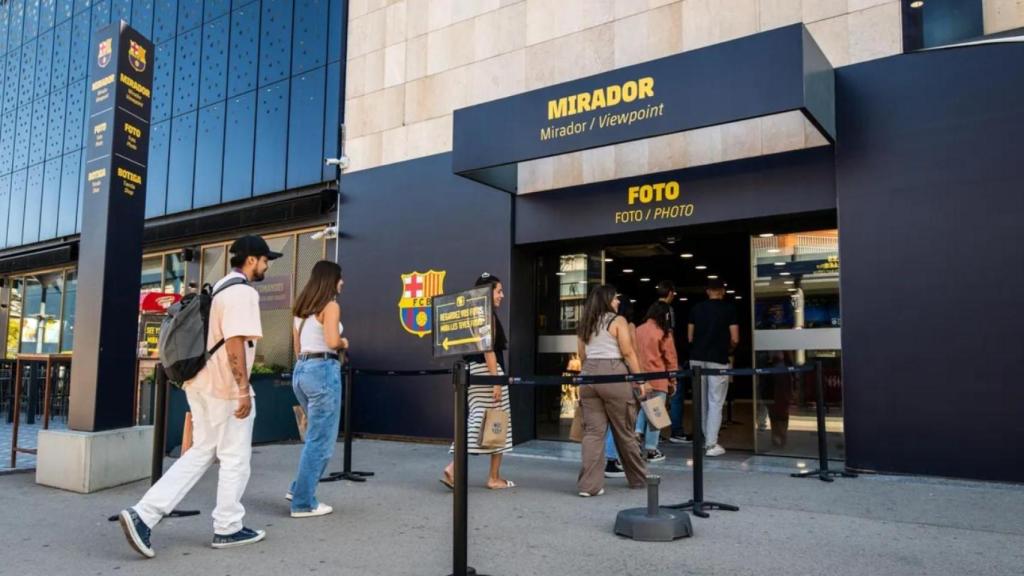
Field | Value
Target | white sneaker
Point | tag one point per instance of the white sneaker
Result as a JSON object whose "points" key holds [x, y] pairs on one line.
{"points": [[588, 494], [320, 510], [715, 450], [288, 496]]}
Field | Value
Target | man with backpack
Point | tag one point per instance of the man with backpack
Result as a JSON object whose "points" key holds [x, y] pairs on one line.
{"points": [[216, 382]]}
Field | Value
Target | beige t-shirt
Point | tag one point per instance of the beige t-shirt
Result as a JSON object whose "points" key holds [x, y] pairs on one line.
{"points": [[234, 312]]}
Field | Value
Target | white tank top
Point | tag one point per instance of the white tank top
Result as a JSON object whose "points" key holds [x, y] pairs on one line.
{"points": [[311, 340], [603, 344]]}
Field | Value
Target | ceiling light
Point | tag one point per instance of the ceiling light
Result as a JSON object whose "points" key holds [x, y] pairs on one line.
{"points": [[608, 260], [712, 277], [917, 3], [627, 270], [784, 274], [632, 300], [559, 273], [792, 289], [780, 263], [730, 291], [701, 267], [683, 299], [686, 255], [788, 282], [774, 250], [739, 297], [766, 235], [645, 279], [583, 282]]}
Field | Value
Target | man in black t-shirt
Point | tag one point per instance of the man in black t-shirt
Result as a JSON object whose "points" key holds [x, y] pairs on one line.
{"points": [[713, 333]]}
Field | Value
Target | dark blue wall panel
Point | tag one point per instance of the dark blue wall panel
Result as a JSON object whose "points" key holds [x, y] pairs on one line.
{"points": [[215, 9], [306, 129], [26, 83], [44, 63], [190, 15], [331, 114], [214, 74], [65, 8], [31, 29], [239, 141], [271, 139], [7, 133], [50, 211], [33, 204], [156, 192], [47, 14], [70, 184], [5, 207], [334, 40], [81, 191], [275, 41], [16, 219], [5, 18], [74, 117], [142, 17], [165, 17], [309, 41], [80, 26], [163, 82], [244, 53], [17, 22], [209, 155], [61, 55], [55, 125], [23, 137], [121, 10], [186, 72], [40, 111], [181, 166]]}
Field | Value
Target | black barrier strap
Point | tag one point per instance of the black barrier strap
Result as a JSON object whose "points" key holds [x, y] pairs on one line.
{"points": [[642, 377], [375, 372]]}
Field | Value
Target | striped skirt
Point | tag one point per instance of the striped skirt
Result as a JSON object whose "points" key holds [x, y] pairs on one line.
{"points": [[481, 399]]}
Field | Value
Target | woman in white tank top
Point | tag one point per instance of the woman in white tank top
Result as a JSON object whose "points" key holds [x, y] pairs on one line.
{"points": [[316, 381], [605, 346]]}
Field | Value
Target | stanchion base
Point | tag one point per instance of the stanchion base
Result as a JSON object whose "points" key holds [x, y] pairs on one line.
{"points": [[470, 571], [824, 475], [700, 509], [666, 526], [352, 476], [173, 514]]}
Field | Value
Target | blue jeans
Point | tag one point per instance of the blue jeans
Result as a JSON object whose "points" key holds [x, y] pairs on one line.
{"points": [[675, 409], [651, 434], [317, 386]]}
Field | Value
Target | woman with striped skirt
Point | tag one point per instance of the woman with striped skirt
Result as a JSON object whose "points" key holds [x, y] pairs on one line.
{"points": [[483, 397]]}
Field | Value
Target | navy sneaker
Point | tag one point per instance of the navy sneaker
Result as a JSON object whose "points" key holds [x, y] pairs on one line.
{"points": [[136, 531], [240, 538]]}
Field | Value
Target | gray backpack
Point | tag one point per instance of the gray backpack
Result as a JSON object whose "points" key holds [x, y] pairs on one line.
{"points": [[183, 334]]}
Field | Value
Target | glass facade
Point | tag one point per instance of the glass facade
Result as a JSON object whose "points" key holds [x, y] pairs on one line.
{"points": [[224, 126]]}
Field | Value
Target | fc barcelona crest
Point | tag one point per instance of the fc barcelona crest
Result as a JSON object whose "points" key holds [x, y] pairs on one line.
{"points": [[136, 56], [418, 289], [106, 50]]}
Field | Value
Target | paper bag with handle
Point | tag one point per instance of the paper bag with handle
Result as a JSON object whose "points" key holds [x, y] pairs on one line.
{"points": [[495, 428], [657, 414]]}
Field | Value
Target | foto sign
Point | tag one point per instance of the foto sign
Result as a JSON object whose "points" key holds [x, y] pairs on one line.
{"points": [[463, 322]]}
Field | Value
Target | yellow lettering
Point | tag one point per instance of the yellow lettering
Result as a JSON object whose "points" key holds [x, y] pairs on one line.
{"points": [[132, 130], [601, 97], [629, 91], [646, 87], [583, 101]]}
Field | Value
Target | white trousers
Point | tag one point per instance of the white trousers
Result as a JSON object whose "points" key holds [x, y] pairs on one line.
{"points": [[216, 433], [712, 400]]}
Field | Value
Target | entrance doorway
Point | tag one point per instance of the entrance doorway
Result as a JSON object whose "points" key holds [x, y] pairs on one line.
{"points": [[783, 279]]}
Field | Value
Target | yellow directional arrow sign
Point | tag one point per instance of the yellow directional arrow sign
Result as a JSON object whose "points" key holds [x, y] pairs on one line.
{"points": [[449, 343]]}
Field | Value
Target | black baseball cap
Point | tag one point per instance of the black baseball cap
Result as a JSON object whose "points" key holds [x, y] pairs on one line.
{"points": [[715, 284], [253, 245]]}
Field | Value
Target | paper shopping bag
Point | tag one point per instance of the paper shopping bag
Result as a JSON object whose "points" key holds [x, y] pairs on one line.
{"points": [[495, 428], [657, 415]]}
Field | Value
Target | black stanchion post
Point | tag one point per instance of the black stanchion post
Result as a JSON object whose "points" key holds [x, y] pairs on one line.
{"points": [[823, 473], [347, 473], [460, 507], [697, 505]]}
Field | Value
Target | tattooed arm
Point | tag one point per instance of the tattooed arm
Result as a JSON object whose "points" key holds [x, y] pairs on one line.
{"points": [[236, 360]]}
